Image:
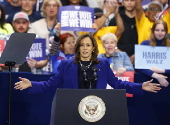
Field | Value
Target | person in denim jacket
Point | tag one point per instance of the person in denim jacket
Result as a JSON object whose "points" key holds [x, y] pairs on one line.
{"points": [[119, 61]]}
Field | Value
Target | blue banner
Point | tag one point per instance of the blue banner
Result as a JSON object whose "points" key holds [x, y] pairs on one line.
{"points": [[38, 50], [76, 18]]}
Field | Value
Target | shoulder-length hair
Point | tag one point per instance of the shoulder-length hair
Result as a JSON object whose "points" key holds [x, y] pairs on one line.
{"points": [[67, 2], [166, 41], [2, 19], [94, 53], [63, 39], [45, 4]]}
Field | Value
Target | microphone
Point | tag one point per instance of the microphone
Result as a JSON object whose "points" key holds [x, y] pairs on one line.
{"points": [[84, 70], [95, 76]]}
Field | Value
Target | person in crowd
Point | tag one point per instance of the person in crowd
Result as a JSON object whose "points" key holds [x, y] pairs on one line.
{"points": [[5, 28], [129, 37], [67, 48], [74, 2], [11, 7], [119, 61], [85, 71], [21, 25], [158, 37], [100, 19], [45, 28], [143, 23], [27, 7]]}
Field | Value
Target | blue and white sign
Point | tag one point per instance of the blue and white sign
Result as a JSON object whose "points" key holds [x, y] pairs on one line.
{"points": [[147, 57], [38, 50], [76, 18]]}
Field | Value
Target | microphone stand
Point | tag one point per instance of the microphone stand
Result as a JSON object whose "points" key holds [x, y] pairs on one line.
{"points": [[10, 65]]}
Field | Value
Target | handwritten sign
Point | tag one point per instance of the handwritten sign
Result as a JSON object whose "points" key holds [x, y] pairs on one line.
{"points": [[126, 76], [147, 57], [76, 18], [37, 50]]}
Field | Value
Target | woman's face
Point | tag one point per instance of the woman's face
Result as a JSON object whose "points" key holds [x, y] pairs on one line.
{"points": [[159, 32], [51, 8], [109, 45], [74, 2], [86, 49], [69, 46]]}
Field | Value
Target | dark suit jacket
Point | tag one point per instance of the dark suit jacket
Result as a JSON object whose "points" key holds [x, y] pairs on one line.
{"points": [[67, 77]]}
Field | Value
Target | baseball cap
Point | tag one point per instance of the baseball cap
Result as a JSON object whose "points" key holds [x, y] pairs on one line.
{"points": [[98, 11], [20, 15], [157, 3]]}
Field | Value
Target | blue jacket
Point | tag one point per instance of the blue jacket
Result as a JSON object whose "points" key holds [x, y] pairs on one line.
{"points": [[67, 77], [119, 60]]}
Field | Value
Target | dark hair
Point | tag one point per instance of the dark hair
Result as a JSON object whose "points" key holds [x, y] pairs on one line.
{"points": [[166, 41], [67, 2], [63, 39], [2, 19], [94, 53]]}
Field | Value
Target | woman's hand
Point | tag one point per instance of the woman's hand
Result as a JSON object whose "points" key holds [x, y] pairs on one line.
{"points": [[157, 70], [161, 79], [151, 87], [23, 84], [32, 63]]}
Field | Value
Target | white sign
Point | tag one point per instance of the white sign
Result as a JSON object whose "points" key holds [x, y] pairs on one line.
{"points": [[147, 57]]}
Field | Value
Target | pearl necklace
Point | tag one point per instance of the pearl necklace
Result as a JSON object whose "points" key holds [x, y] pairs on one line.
{"points": [[85, 66]]}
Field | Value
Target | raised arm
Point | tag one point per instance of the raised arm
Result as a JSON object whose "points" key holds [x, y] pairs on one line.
{"points": [[120, 25], [139, 9], [110, 8]]}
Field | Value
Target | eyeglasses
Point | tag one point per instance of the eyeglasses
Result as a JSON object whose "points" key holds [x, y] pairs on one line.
{"points": [[154, 9], [52, 5], [108, 1], [96, 17]]}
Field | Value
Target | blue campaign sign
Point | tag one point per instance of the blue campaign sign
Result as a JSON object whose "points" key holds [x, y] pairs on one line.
{"points": [[38, 50], [147, 57], [76, 18]]}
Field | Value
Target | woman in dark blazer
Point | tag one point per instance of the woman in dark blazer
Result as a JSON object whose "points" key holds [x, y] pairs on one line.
{"points": [[86, 71]]}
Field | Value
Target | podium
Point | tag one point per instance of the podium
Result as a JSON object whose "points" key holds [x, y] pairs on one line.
{"points": [[90, 107]]}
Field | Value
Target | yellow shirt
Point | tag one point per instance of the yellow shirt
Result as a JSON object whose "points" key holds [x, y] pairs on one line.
{"points": [[8, 30], [166, 18], [98, 35], [144, 26]]}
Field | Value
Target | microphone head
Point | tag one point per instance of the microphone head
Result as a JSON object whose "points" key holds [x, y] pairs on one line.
{"points": [[83, 68]]}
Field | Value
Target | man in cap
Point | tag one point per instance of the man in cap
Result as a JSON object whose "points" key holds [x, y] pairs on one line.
{"points": [[143, 23], [21, 24]]}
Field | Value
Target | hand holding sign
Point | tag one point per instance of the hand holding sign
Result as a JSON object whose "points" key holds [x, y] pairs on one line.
{"points": [[157, 70], [161, 79]]}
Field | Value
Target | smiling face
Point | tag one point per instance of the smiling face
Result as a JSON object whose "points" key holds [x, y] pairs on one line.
{"points": [[153, 10], [86, 49], [109, 45], [159, 32]]}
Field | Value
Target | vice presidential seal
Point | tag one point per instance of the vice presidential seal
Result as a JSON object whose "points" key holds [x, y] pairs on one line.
{"points": [[92, 108]]}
